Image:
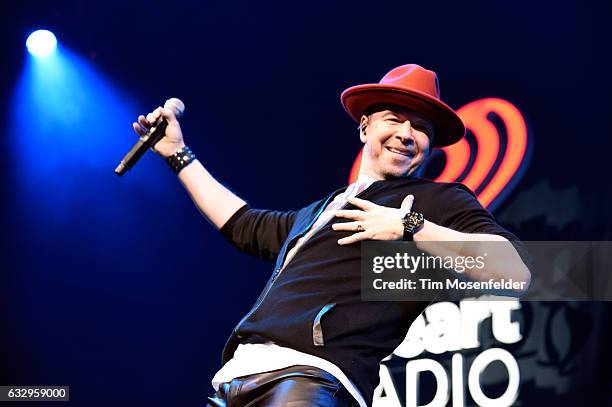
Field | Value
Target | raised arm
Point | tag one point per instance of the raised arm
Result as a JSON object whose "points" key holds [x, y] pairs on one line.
{"points": [[214, 201], [257, 232]]}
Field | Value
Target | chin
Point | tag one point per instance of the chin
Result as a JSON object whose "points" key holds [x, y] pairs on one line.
{"points": [[394, 173]]}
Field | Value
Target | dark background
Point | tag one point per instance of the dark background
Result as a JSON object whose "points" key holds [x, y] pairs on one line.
{"points": [[118, 287]]}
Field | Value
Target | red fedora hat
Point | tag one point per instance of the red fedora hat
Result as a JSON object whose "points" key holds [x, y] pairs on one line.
{"points": [[413, 87]]}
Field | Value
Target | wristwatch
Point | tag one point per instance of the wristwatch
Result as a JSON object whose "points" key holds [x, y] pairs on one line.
{"points": [[413, 222]]}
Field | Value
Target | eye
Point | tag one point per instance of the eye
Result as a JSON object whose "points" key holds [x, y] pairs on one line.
{"points": [[421, 127], [393, 119]]}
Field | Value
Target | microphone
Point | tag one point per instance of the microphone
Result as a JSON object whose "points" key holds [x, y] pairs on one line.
{"points": [[150, 138]]}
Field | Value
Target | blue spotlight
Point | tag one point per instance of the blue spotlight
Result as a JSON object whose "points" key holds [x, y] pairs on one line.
{"points": [[41, 43]]}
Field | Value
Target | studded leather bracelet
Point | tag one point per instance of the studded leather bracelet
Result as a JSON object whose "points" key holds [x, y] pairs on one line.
{"points": [[181, 159]]}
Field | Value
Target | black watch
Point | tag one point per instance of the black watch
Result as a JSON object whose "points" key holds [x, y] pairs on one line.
{"points": [[413, 222]]}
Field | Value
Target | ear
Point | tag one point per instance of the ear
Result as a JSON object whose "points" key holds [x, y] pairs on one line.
{"points": [[363, 124]]}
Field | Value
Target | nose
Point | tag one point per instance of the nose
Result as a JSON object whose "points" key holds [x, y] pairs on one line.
{"points": [[404, 133]]}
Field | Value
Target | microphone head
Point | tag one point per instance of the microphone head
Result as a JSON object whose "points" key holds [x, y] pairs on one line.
{"points": [[176, 105]]}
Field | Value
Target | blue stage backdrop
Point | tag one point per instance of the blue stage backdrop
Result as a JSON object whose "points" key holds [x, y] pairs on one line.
{"points": [[118, 287]]}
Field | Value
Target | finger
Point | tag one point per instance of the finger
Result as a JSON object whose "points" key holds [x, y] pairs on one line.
{"points": [[155, 115], [350, 226], [362, 203], [407, 202], [138, 129], [144, 122], [349, 214], [169, 115], [356, 237]]}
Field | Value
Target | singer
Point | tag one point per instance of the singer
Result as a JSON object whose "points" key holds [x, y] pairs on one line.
{"points": [[309, 340]]}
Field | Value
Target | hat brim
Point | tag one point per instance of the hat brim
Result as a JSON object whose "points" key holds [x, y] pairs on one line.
{"points": [[448, 127]]}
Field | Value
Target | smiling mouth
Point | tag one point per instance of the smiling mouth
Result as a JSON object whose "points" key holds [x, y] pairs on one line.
{"points": [[401, 152]]}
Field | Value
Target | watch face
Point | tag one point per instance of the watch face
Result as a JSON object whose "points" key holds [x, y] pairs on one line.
{"points": [[413, 221]]}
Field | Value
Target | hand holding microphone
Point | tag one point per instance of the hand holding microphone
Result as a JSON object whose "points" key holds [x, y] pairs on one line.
{"points": [[160, 130]]}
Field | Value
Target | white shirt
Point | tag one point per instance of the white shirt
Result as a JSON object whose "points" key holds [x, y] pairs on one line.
{"points": [[250, 358]]}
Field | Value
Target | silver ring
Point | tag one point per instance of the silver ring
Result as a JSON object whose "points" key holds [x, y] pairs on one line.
{"points": [[360, 227]]}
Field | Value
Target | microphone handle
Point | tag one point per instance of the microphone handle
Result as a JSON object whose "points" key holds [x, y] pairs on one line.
{"points": [[145, 142]]}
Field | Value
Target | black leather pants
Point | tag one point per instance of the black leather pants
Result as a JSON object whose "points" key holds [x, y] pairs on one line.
{"points": [[295, 386]]}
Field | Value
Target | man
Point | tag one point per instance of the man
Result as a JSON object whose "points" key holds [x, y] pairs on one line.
{"points": [[309, 339]]}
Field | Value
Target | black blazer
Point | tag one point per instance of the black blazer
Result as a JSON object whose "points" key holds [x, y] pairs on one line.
{"points": [[314, 305]]}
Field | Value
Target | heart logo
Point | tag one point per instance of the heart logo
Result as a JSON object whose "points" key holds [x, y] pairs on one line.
{"points": [[491, 158]]}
